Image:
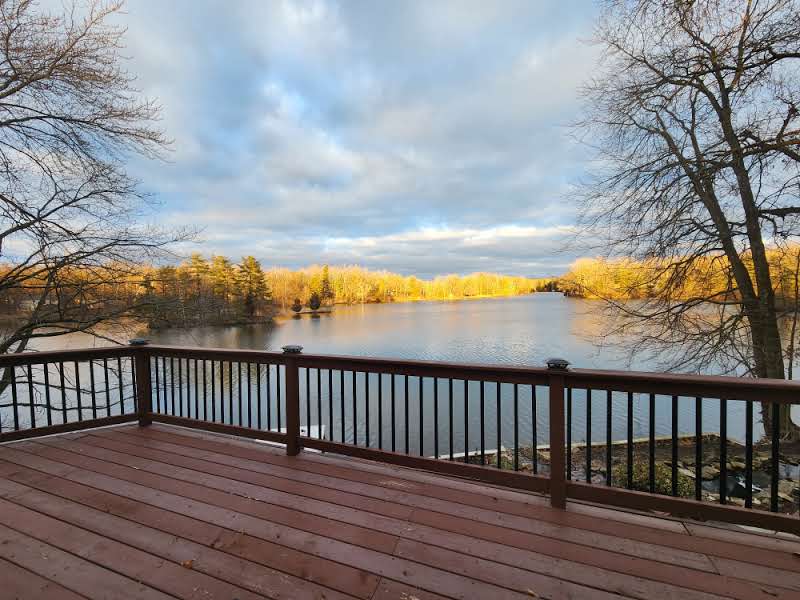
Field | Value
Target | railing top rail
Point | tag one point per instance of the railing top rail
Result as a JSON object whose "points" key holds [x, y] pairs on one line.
{"points": [[708, 386], [686, 384], [68, 355]]}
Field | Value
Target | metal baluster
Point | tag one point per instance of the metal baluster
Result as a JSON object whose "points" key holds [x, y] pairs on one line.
{"points": [[14, 402], [516, 429], [405, 401], [46, 367], [588, 435], [450, 399], [308, 402], [466, 420], [267, 407], [78, 391], [355, 410], [172, 384], [188, 388], [63, 392], [268, 384], [380, 411], [569, 434], [119, 381], [164, 382], [319, 403], [748, 461], [609, 441], [652, 473], [239, 385], [421, 428], [214, 392], [341, 398], [133, 382], [31, 397], [482, 407], [93, 394], [259, 423], [278, 393], [367, 401], [250, 395], [698, 449], [534, 433], [196, 392], [776, 437], [630, 441], [394, 449], [180, 386], [205, 390], [106, 384], [674, 445], [436, 416], [723, 451], [498, 397], [330, 404], [230, 394]]}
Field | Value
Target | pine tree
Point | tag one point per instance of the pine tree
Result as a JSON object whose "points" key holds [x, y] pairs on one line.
{"points": [[326, 291], [252, 285], [314, 301]]}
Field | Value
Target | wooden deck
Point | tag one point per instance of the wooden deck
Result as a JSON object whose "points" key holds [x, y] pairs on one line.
{"points": [[163, 512]]}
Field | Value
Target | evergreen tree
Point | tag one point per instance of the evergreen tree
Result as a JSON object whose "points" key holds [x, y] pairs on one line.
{"points": [[252, 285], [222, 277], [314, 301], [326, 291]]}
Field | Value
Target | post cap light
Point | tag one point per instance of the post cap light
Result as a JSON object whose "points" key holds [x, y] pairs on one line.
{"points": [[292, 349], [138, 342], [561, 364]]}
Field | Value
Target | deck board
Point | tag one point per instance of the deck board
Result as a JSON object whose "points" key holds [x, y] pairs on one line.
{"points": [[162, 512]]}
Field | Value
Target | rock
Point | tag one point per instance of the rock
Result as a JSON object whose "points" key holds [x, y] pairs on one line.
{"points": [[785, 497], [686, 472], [736, 465], [736, 501], [787, 488], [709, 472]]}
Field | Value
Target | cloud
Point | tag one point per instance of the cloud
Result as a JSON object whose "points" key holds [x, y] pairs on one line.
{"points": [[419, 136]]}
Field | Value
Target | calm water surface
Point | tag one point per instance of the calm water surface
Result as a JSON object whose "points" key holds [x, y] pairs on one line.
{"points": [[525, 330]]}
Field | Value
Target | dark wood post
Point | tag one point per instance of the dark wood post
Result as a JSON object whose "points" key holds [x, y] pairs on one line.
{"points": [[143, 391], [558, 483], [292, 401]]}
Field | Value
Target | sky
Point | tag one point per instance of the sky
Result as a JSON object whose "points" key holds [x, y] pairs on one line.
{"points": [[426, 137]]}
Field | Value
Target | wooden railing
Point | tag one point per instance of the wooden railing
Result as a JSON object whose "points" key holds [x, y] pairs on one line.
{"points": [[570, 434]]}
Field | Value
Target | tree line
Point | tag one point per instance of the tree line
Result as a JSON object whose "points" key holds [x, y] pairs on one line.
{"points": [[624, 278], [217, 290], [356, 285]]}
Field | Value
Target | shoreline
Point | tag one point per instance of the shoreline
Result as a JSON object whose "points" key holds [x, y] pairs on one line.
{"points": [[687, 470], [282, 312]]}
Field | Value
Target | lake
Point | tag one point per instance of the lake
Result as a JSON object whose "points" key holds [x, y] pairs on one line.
{"points": [[523, 330]]}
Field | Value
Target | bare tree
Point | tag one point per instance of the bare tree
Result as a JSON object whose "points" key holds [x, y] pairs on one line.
{"points": [[694, 116], [71, 235]]}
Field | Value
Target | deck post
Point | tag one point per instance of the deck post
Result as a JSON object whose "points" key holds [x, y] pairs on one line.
{"points": [[143, 391], [292, 400], [558, 484]]}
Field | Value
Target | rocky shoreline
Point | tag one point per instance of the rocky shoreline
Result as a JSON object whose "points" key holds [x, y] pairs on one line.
{"points": [[789, 468]]}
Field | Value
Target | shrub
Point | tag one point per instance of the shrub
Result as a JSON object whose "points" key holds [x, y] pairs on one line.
{"points": [[314, 301], [663, 479]]}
